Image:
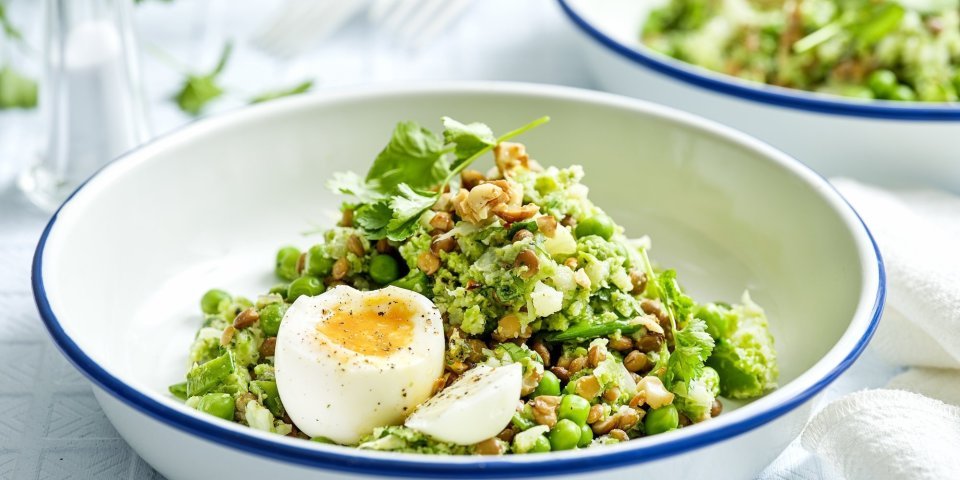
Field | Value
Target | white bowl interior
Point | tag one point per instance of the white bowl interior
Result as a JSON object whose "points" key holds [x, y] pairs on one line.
{"points": [[129, 257]]}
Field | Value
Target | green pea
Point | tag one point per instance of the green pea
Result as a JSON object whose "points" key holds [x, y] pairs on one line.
{"points": [[318, 264], [384, 269], [280, 289], [903, 93], [661, 420], [599, 225], [287, 259], [217, 404], [549, 385], [210, 303], [565, 435], [586, 436], [541, 445], [270, 318], [309, 286], [574, 408], [857, 91], [882, 82]]}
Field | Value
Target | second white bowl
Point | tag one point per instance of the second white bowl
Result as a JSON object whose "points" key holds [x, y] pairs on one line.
{"points": [[889, 143]]}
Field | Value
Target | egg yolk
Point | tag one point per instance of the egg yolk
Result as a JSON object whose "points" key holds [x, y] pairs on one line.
{"points": [[379, 326]]}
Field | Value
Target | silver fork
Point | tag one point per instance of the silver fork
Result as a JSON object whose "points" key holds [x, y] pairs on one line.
{"points": [[415, 22], [299, 24]]}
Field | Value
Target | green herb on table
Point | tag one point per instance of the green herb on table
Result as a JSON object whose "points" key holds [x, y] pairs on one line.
{"points": [[302, 87], [200, 89], [16, 90], [9, 30]]}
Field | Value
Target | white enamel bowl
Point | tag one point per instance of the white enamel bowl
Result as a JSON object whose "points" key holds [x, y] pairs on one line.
{"points": [[897, 144], [120, 268]]}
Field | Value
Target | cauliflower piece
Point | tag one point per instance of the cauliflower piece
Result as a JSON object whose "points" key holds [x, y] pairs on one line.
{"points": [[545, 299], [562, 242]]}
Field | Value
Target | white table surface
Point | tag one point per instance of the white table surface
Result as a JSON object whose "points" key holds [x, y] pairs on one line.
{"points": [[50, 425]]}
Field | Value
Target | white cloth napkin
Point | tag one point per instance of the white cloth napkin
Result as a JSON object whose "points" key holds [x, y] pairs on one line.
{"points": [[911, 429]]}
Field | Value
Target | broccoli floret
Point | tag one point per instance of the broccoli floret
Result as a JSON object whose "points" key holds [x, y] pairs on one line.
{"points": [[403, 439], [744, 356], [473, 321], [206, 347], [246, 346]]}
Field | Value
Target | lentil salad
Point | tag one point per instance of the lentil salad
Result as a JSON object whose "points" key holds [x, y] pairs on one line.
{"points": [[524, 269], [869, 49]]}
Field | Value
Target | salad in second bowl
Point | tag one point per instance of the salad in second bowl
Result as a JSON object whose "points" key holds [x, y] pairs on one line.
{"points": [[457, 312], [883, 49]]}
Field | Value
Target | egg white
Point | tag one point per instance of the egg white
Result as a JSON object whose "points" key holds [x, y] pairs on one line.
{"points": [[476, 407], [332, 391]]}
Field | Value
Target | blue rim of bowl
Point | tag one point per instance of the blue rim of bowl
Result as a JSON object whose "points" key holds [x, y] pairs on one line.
{"points": [[776, 96], [410, 467]]}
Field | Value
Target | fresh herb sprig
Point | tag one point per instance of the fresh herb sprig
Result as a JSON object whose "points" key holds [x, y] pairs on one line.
{"points": [[297, 89], [692, 345], [16, 89], [9, 30], [408, 176], [199, 89]]}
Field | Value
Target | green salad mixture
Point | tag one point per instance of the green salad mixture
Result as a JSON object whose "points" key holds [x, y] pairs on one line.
{"points": [[906, 50], [524, 269]]}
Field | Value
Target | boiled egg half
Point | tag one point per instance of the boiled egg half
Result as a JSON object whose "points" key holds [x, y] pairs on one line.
{"points": [[474, 408], [349, 361]]}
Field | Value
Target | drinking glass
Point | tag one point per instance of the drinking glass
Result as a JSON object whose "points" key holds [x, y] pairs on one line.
{"points": [[91, 96]]}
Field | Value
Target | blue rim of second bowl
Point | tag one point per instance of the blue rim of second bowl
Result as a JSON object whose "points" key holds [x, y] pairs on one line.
{"points": [[411, 467], [776, 96]]}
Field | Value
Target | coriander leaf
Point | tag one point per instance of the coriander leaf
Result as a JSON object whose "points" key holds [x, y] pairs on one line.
{"points": [[414, 156], [393, 195], [693, 347], [199, 90], [283, 92], [349, 183], [411, 202], [469, 139], [408, 207], [16, 90], [679, 304], [402, 230], [373, 218]]}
